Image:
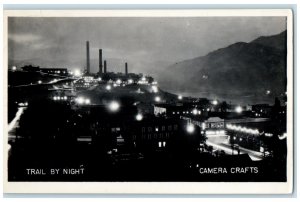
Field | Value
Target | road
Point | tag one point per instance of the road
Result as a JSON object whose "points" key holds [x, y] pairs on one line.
{"points": [[254, 155], [14, 124]]}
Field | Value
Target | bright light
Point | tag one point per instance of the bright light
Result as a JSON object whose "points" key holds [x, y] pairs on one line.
{"points": [[54, 98], [65, 97], [99, 79], [115, 85], [190, 128], [238, 109], [155, 89], [130, 81], [119, 81], [144, 79], [283, 136], [14, 68], [179, 97], [157, 99], [80, 100], [87, 101], [114, 106], [139, 117], [214, 102], [268, 92], [77, 72], [195, 112], [39, 82], [108, 87], [268, 134]]}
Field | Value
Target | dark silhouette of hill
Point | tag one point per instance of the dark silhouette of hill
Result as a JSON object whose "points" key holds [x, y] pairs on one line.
{"points": [[239, 69]]}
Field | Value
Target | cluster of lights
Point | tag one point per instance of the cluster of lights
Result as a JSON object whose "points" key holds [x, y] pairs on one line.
{"points": [[154, 89], [242, 129], [77, 72], [82, 100], [21, 104], [214, 102], [60, 98], [143, 80], [257, 114], [195, 112], [217, 132]]}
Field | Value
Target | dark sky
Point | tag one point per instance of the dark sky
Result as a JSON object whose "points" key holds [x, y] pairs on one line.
{"points": [[146, 44]]}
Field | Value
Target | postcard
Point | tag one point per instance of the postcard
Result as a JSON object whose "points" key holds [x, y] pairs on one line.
{"points": [[148, 101]]}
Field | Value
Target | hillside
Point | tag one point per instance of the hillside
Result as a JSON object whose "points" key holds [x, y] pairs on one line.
{"points": [[241, 69]]}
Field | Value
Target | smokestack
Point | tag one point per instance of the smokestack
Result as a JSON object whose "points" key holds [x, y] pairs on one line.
{"points": [[100, 61], [104, 66], [126, 68], [88, 57]]}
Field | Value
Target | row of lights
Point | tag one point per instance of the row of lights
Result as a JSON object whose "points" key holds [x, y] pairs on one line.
{"points": [[60, 98], [82, 100], [242, 129], [218, 132]]}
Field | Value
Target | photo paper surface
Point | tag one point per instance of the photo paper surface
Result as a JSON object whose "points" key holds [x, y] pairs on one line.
{"points": [[162, 102]]}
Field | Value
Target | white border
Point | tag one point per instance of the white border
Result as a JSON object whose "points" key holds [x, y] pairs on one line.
{"points": [[158, 187]]}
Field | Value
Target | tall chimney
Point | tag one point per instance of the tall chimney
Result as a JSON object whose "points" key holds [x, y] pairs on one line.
{"points": [[100, 61], [88, 57], [126, 68], [104, 66]]}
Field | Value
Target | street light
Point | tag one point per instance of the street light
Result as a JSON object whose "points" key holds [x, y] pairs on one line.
{"points": [[139, 117], [114, 106], [195, 111], [239, 109], [190, 128], [108, 87], [119, 81]]}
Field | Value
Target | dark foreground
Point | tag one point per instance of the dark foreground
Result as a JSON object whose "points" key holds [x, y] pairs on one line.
{"points": [[87, 163]]}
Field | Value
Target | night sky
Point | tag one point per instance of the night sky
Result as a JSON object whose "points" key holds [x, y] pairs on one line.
{"points": [[147, 44]]}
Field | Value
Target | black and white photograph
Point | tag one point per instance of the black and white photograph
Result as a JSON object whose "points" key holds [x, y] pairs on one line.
{"points": [[138, 98]]}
